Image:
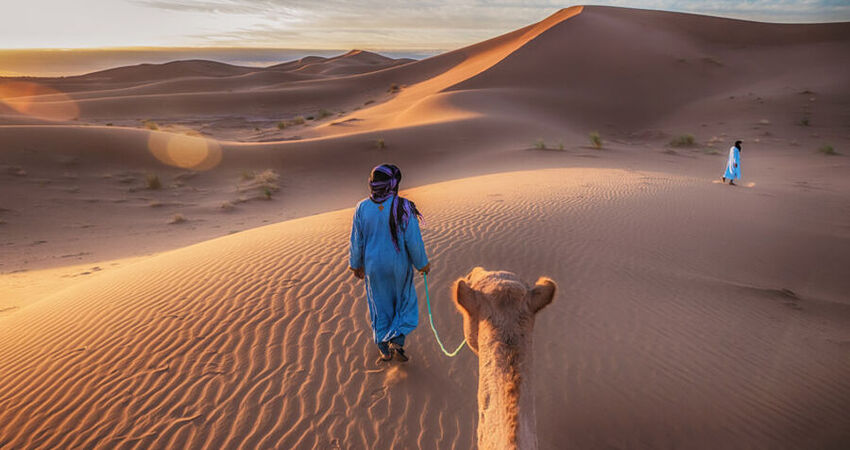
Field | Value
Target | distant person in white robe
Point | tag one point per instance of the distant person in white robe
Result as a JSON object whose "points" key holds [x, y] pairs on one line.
{"points": [[733, 164]]}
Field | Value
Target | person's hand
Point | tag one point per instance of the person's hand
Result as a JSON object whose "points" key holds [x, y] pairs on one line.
{"points": [[426, 269], [359, 273]]}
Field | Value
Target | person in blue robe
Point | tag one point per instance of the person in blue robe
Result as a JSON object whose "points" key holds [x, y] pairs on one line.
{"points": [[386, 245], [733, 164]]}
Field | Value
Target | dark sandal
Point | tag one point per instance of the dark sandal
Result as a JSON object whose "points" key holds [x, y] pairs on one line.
{"points": [[399, 352], [385, 358]]}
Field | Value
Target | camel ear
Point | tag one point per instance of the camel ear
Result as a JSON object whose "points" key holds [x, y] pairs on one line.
{"points": [[467, 303], [542, 293], [465, 299]]}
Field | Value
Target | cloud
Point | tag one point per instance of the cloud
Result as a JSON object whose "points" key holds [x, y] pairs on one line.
{"points": [[438, 24]]}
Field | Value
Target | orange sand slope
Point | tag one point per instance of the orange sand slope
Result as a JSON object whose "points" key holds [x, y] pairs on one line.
{"points": [[678, 324]]}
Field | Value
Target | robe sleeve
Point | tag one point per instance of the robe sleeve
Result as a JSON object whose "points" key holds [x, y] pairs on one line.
{"points": [[414, 244], [356, 247]]}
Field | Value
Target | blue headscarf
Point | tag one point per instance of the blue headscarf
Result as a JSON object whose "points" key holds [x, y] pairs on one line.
{"points": [[384, 186]]}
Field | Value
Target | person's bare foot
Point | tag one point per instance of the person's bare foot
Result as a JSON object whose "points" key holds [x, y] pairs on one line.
{"points": [[732, 183]]}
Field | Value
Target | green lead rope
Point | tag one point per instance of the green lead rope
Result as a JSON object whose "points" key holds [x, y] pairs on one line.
{"points": [[431, 319]]}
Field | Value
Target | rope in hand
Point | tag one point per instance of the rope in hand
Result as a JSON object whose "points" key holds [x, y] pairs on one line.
{"points": [[431, 319]]}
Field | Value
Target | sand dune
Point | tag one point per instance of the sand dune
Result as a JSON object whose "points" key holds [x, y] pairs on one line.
{"points": [[176, 69], [171, 276], [563, 69], [260, 340]]}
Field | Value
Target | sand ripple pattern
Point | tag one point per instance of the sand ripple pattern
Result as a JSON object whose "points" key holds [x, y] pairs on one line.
{"points": [[261, 339]]}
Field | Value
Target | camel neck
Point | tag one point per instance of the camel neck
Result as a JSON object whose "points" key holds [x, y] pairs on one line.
{"points": [[505, 397]]}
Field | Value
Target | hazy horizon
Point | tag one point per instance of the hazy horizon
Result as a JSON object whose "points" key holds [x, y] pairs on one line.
{"points": [[71, 62]]}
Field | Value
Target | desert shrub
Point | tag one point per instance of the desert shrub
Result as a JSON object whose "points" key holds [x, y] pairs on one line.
{"points": [[226, 206], [177, 218], [264, 183], [539, 144], [324, 113], [151, 125], [298, 120], [281, 125], [109, 124], [310, 117], [266, 177], [155, 204], [595, 140], [560, 146], [369, 102], [827, 149], [685, 140], [394, 88], [805, 122], [152, 181], [380, 144]]}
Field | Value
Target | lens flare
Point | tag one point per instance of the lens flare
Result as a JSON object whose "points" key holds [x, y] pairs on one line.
{"points": [[38, 101], [184, 151]]}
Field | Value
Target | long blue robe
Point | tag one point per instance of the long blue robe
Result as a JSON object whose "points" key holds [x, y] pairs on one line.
{"points": [[390, 291], [733, 164]]}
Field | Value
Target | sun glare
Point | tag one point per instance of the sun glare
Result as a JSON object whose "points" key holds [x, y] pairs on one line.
{"points": [[185, 151], [38, 101]]}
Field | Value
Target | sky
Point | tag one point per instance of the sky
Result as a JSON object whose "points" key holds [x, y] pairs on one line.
{"points": [[327, 24]]}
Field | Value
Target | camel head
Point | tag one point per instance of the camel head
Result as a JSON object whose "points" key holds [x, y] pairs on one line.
{"points": [[500, 306]]}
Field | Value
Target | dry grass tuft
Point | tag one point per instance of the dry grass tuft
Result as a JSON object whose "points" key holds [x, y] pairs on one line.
{"points": [[595, 140], [152, 181], [685, 140], [827, 149], [264, 183], [177, 219]]}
